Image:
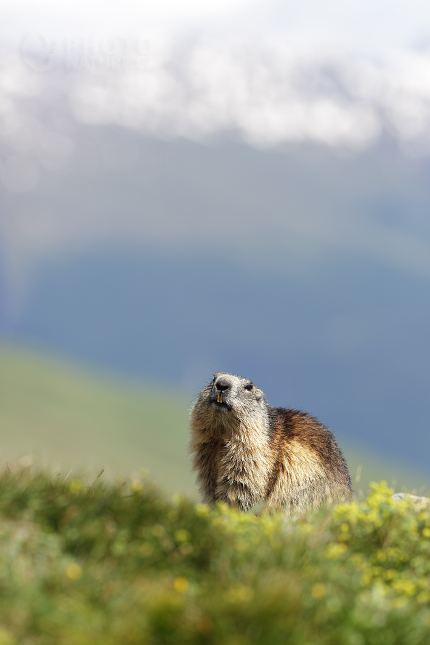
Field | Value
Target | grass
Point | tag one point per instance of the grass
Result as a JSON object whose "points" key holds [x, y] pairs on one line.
{"points": [[117, 563], [64, 417], [68, 417]]}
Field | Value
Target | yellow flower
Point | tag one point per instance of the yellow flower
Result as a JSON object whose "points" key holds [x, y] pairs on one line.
{"points": [[318, 591], [390, 574], [406, 587], [202, 510], [76, 486], [182, 535], [335, 550], [137, 485], [73, 571], [180, 584]]}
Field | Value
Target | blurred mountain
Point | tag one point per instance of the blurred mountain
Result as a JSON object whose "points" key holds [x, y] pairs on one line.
{"points": [[349, 345]]}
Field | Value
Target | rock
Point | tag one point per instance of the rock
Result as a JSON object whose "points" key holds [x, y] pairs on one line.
{"points": [[419, 501]]}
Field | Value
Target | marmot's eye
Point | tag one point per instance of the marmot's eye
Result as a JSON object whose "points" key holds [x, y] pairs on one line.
{"points": [[249, 387]]}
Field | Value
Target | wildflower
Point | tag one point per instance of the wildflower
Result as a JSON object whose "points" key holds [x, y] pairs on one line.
{"points": [[180, 584], [182, 535], [335, 550], [73, 571], [76, 486], [318, 591], [137, 485], [390, 574], [406, 587], [202, 510]]}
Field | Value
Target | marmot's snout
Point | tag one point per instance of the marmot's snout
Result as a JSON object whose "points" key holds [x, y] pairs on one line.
{"points": [[223, 383], [222, 390]]}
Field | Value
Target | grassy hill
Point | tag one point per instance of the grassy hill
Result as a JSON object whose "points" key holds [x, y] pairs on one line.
{"points": [[67, 417]]}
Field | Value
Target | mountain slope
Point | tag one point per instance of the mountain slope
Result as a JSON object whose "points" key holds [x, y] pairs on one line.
{"points": [[68, 418]]}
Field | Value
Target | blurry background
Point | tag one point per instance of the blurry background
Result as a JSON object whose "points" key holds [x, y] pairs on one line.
{"points": [[238, 186]]}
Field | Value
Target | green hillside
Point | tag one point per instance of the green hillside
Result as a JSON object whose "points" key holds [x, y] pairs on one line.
{"points": [[66, 417]]}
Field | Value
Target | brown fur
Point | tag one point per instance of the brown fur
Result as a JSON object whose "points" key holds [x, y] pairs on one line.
{"points": [[246, 452]]}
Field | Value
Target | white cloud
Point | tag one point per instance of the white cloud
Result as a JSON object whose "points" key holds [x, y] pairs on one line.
{"points": [[362, 26], [271, 94], [267, 94]]}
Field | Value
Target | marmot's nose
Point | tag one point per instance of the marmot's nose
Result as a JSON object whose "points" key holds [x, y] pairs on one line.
{"points": [[223, 383]]}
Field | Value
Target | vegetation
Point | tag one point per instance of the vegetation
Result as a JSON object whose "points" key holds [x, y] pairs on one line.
{"points": [[84, 563], [67, 417]]}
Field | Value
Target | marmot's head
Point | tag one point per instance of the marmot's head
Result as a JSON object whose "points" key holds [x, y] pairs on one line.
{"points": [[229, 400]]}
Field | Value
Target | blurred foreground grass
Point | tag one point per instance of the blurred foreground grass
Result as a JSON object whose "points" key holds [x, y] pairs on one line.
{"points": [[117, 563]]}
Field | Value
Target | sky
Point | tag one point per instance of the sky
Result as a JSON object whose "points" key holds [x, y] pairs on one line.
{"points": [[368, 24], [342, 75], [334, 73]]}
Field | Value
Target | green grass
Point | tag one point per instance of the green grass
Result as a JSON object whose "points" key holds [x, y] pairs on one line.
{"points": [[85, 563], [67, 417]]}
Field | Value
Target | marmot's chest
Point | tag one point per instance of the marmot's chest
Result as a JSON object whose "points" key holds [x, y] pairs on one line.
{"points": [[241, 457]]}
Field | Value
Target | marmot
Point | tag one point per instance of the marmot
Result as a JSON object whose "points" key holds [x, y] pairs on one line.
{"points": [[246, 451]]}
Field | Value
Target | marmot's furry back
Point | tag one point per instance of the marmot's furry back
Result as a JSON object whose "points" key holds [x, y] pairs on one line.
{"points": [[246, 452]]}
